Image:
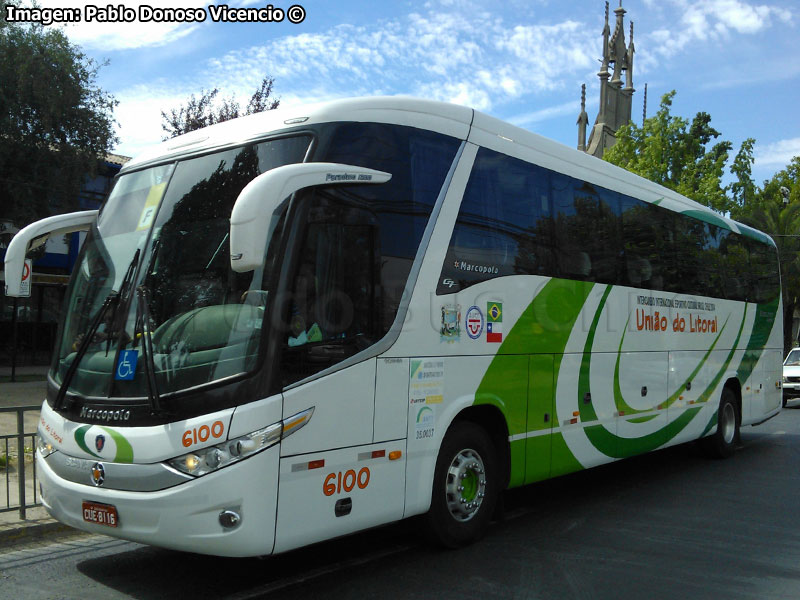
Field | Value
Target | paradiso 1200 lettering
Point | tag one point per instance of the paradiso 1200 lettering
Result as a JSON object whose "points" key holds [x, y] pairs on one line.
{"points": [[366, 322]]}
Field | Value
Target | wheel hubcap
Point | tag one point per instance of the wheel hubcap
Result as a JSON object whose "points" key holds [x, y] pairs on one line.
{"points": [[727, 423], [466, 485]]}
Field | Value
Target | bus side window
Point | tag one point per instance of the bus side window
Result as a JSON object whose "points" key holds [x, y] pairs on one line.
{"points": [[360, 243], [736, 262], [648, 250], [336, 293], [765, 282], [595, 228], [504, 224]]}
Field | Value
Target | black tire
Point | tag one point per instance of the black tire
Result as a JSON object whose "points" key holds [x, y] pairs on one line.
{"points": [[722, 443], [460, 514]]}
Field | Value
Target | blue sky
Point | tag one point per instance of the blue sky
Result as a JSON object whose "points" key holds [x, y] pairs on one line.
{"points": [[521, 61]]}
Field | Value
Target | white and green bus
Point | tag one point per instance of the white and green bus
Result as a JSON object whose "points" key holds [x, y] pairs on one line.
{"points": [[314, 320]]}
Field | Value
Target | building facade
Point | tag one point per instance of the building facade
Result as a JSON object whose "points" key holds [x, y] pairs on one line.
{"points": [[38, 315]]}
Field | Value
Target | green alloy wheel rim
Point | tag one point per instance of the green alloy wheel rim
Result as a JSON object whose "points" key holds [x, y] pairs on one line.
{"points": [[466, 485]]}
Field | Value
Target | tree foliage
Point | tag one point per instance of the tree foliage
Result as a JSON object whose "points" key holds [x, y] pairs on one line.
{"points": [[779, 215], [783, 224], [55, 122], [743, 190], [202, 112], [675, 153]]}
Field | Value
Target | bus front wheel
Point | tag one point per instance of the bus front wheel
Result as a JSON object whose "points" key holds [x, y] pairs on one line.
{"points": [[721, 444], [465, 486]]}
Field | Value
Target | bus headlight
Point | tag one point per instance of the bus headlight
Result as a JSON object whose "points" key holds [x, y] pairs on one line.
{"points": [[43, 446], [207, 460]]}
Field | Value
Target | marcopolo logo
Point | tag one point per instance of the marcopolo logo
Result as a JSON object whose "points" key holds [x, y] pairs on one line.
{"points": [[101, 414]]}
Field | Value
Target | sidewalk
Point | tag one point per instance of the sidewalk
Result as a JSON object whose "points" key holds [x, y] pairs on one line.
{"points": [[37, 524], [28, 392], [25, 373]]}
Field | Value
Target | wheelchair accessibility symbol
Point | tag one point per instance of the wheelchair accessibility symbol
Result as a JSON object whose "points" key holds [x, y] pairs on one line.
{"points": [[126, 365]]}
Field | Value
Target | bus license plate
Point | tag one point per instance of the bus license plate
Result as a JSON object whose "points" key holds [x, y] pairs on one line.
{"points": [[102, 514]]}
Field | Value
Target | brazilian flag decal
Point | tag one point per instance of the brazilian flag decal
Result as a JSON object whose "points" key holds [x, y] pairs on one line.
{"points": [[494, 322]]}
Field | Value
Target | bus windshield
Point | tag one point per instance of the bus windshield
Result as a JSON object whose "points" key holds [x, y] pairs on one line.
{"points": [[160, 251]]}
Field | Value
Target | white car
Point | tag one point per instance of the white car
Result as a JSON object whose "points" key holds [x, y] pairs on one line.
{"points": [[791, 375]]}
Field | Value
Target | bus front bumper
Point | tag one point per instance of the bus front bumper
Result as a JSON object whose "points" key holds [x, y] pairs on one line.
{"points": [[184, 517]]}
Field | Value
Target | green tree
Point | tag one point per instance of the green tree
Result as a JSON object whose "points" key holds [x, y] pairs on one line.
{"points": [[202, 112], [678, 154], [675, 153], [789, 179], [779, 216], [55, 122], [783, 224], [744, 192]]}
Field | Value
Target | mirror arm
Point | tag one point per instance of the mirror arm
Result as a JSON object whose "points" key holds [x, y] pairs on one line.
{"points": [[36, 234], [256, 203]]}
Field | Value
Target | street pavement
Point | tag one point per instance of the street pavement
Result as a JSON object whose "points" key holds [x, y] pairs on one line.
{"points": [[28, 392]]}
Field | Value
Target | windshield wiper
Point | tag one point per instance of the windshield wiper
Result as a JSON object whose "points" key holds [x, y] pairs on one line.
{"points": [[143, 323], [112, 298], [123, 293]]}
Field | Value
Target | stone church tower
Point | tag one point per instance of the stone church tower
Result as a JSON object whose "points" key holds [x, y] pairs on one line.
{"points": [[615, 100]]}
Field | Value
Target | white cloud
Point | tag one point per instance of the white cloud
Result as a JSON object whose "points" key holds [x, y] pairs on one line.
{"points": [[462, 56], [713, 19], [139, 116], [108, 36], [743, 17], [550, 112], [453, 50], [777, 154]]}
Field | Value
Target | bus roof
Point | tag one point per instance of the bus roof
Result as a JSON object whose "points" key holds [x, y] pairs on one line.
{"points": [[451, 119]]}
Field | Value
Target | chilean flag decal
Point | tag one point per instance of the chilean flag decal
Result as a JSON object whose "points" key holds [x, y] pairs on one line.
{"points": [[494, 322]]}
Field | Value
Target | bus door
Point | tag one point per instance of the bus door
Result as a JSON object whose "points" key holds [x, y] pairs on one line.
{"points": [[585, 407], [333, 479], [640, 396], [541, 414], [690, 375], [765, 384]]}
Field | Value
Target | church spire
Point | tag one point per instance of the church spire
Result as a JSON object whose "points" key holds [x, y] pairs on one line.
{"points": [[583, 121], [615, 101], [629, 62], [618, 47], [606, 55]]}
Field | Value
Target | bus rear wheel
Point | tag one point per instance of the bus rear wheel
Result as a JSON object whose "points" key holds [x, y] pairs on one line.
{"points": [[722, 443], [465, 487]]}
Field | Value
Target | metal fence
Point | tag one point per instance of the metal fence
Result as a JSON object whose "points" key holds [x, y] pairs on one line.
{"points": [[17, 461]]}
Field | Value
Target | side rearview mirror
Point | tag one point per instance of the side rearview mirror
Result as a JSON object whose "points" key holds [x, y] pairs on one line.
{"points": [[36, 234], [252, 215]]}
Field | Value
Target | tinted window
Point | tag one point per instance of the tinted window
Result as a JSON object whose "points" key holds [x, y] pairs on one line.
{"points": [[736, 263], [765, 283], [648, 246], [504, 225], [518, 218], [587, 231], [359, 242]]}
